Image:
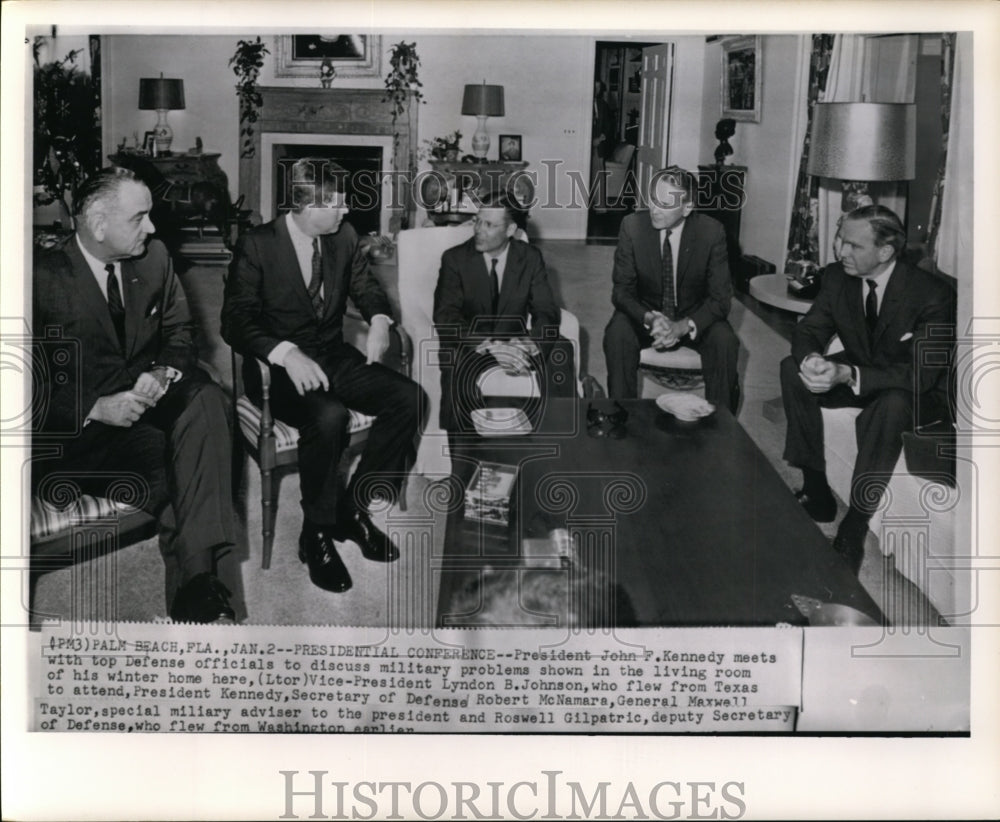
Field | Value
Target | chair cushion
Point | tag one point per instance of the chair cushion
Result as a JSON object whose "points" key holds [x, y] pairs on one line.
{"points": [[285, 436], [48, 519], [681, 357]]}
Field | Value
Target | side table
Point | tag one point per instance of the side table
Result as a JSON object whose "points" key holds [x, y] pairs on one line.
{"points": [[772, 289]]}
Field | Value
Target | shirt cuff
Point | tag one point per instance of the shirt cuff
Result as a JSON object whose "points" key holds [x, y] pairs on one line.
{"points": [[855, 382], [692, 328], [386, 317], [277, 355]]}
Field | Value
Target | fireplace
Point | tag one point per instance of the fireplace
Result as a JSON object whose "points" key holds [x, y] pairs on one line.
{"points": [[352, 127]]}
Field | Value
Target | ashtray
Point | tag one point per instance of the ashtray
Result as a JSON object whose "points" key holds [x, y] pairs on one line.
{"points": [[685, 407]]}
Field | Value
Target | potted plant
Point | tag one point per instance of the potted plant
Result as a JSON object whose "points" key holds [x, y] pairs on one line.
{"points": [[402, 87], [67, 135], [443, 148], [247, 63]]}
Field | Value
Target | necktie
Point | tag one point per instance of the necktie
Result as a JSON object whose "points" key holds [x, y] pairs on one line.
{"points": [[316, 280], [116, 308], [494, 286], [669, 298], [871, 307]]}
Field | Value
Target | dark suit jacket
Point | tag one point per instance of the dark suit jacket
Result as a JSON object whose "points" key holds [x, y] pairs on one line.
{"points": [[704, 287], [462, 295], [267, 300], [66, 296], [913, 301]]}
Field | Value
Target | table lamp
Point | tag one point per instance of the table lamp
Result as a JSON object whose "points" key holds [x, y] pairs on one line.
{"points": [[859, 143], [161, 95], [481, 102]]}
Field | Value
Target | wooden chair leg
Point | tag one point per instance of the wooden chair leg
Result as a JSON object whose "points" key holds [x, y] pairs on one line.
{"points": [[267, 516]]}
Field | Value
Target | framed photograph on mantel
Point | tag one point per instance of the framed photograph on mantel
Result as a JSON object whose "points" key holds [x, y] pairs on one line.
{"points": [[742, 73], [352, 55]]}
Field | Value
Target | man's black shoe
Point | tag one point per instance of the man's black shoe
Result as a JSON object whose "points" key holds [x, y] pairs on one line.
{"points": [[356, 526], [821, 507], [850, 540], [326, 568], [203, 599]]}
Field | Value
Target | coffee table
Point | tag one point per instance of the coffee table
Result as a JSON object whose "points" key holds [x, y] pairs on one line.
{"points": [[693, 524]]}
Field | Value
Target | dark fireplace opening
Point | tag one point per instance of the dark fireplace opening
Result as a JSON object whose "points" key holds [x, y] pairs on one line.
{"points": [[357, 168]]}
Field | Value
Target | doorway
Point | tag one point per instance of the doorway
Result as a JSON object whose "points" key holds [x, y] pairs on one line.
{"points": [[614, 135]]}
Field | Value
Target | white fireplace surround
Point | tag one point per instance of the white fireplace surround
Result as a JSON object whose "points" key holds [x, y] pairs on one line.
{"points": [[269, 140]]}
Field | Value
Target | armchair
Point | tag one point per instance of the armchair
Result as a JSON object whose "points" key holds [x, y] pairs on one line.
{"points": [[274, 444]]}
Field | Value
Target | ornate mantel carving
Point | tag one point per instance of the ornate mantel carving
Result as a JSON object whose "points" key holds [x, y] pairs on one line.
{"points": [[331, 111]]}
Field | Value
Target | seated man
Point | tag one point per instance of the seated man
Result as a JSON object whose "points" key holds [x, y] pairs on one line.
{"points": [[881, 308], [135, 405], [487, 288], [672, 286], [285, 300]]}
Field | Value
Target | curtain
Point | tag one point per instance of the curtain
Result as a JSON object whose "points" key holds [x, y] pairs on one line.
{"points": [[802, 236], [951, 238]]}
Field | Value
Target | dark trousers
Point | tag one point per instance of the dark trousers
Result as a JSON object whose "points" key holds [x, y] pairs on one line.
{"points": [[322, 420], [717, 345], [879, 429], [461, 367], [173, 463]]}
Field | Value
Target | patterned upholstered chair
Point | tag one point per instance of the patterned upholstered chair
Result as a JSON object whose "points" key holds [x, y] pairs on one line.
{"points": [[274, 445]]}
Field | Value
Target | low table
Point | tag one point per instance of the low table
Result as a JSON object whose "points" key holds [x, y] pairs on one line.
{"points": [[772, 289], [695, 526]]}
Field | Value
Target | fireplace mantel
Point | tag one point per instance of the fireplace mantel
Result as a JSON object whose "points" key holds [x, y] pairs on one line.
{"points": [[293, 110]]}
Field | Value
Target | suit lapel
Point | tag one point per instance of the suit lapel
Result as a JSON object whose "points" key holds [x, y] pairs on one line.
{"points": [[511, 275], [687, 241], [333, 266], [288, 262], [892, 300], [479, 283], [94, 303], [134, 298], [853, 308]]}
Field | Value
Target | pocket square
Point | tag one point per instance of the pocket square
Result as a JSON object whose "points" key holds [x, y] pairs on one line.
{"points": [[152, 311], [907, 336]]}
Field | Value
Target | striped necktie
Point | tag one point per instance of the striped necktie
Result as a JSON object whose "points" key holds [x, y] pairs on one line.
{"points": [[669, 298], [316, 280]]}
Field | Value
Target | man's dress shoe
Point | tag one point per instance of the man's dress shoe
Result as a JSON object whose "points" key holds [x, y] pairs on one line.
{"points": [[850, 540], [203, 599], [356, 526], [821, 507], [326, 568]]}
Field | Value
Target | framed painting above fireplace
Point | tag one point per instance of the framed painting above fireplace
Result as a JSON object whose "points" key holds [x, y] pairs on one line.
{"points": [[352, 55]]}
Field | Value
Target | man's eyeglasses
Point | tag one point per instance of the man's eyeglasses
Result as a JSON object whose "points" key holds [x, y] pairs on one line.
{"points": [[607, 423]]}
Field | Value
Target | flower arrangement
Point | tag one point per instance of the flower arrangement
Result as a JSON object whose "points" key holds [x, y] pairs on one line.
{"points": [[439, 148]]}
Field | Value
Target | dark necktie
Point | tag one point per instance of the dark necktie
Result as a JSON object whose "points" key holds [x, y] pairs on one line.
{"points": [[871, 307], [669, 298], [316, 280], [116, 308], [494, 286]]}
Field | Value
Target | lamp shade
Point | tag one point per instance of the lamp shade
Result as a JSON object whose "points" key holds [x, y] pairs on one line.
{"points": [[157, 93], [483, 100], [864, 141]]}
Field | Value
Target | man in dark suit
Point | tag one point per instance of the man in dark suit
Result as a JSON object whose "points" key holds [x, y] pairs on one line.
{"points": [[284, 304], [135, 406], [486, 290], [881, 309], [672, 285]]}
